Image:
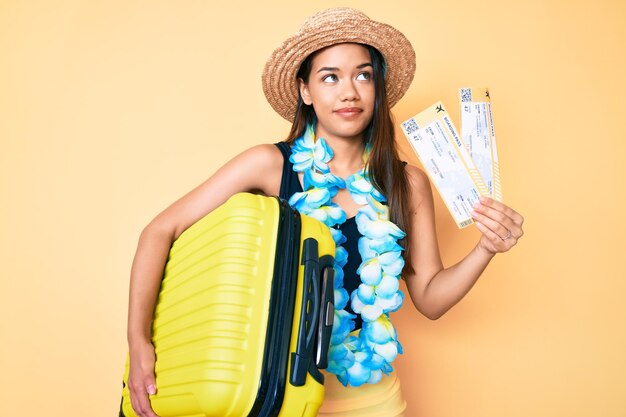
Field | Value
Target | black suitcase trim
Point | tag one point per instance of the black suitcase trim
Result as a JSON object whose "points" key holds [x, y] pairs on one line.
{"points": [[273, 379]]}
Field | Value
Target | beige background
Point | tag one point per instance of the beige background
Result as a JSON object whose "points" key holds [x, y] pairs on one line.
{"points": [[110, 110]]}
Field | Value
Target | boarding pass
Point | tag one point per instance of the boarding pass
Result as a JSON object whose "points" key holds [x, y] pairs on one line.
{"points": [[479, 136], [447, 161]]}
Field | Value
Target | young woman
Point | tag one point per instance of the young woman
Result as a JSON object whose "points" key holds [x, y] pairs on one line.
{"points": [[336, 80]]}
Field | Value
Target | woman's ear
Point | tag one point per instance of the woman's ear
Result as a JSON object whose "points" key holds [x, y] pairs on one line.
{"points": [[304, 92]]}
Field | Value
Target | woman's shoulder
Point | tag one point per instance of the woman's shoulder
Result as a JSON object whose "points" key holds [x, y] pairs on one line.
{"points": [[265, 155], [258, 161], [256, 168], [419, 184], [416, 176]]}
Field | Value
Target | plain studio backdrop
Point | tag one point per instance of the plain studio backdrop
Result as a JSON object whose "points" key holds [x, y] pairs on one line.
{"points": [[111, 110]]}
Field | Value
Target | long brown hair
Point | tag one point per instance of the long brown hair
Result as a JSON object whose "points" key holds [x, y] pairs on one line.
{"points": [[384, 167]]}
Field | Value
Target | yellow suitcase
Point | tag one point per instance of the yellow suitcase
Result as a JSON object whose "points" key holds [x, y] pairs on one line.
{"points": [[244, 315]]}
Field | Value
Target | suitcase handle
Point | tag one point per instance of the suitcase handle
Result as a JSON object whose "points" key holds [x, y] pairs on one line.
{"points": [[314, 299], [301, 358], [327, 312]]}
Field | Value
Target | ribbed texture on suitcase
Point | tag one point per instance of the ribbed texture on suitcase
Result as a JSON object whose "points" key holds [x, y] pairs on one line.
{"points": [[211, 315]]}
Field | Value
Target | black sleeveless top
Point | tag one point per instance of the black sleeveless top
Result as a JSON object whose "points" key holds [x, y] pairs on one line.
{"points": [[290, 184]]}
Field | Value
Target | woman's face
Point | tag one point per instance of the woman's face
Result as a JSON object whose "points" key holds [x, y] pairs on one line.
{"points": [[341, 90]]}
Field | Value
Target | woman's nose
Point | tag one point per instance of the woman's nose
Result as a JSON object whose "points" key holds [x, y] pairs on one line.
{"points": [[349, 92]]}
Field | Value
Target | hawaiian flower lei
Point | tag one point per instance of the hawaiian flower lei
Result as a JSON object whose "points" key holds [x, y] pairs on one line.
{"points": [[363, 358]]}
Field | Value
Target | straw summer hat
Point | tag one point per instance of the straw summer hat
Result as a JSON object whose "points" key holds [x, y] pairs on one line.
{"points": [[330, 27]]}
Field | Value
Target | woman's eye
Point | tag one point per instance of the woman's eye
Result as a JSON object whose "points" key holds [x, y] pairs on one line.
{"points": [[364, 76], [330, 78]]}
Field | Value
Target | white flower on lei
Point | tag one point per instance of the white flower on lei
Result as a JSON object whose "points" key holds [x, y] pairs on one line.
{"points": [[308, 152], [360, 188]]}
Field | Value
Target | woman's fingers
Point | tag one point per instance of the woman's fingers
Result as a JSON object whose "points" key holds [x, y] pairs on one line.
{"points": [[492, 242], [500, 225], [498, 217], [490, 203], [139, 398], [141, 380]]}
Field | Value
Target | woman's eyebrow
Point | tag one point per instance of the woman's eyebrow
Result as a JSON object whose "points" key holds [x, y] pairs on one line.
{"points": [[336, 69], [332, 69]]}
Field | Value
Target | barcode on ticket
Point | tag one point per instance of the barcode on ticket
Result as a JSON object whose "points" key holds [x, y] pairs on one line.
{"points": [[466, 95], [465, 223], [410, 126]]}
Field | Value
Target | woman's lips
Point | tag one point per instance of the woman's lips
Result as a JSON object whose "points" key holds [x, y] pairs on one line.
{"points": [[349, 111]]}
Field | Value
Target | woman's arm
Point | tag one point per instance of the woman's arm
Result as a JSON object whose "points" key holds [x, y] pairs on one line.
{"points": [[433, 289], [258, 169]]}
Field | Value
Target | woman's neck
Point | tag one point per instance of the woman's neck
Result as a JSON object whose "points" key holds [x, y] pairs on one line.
{"points": [[348, 154]]}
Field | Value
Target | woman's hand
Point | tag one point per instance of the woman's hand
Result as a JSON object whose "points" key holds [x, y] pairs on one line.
{"points": [[500, 225], [141, 379]]}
